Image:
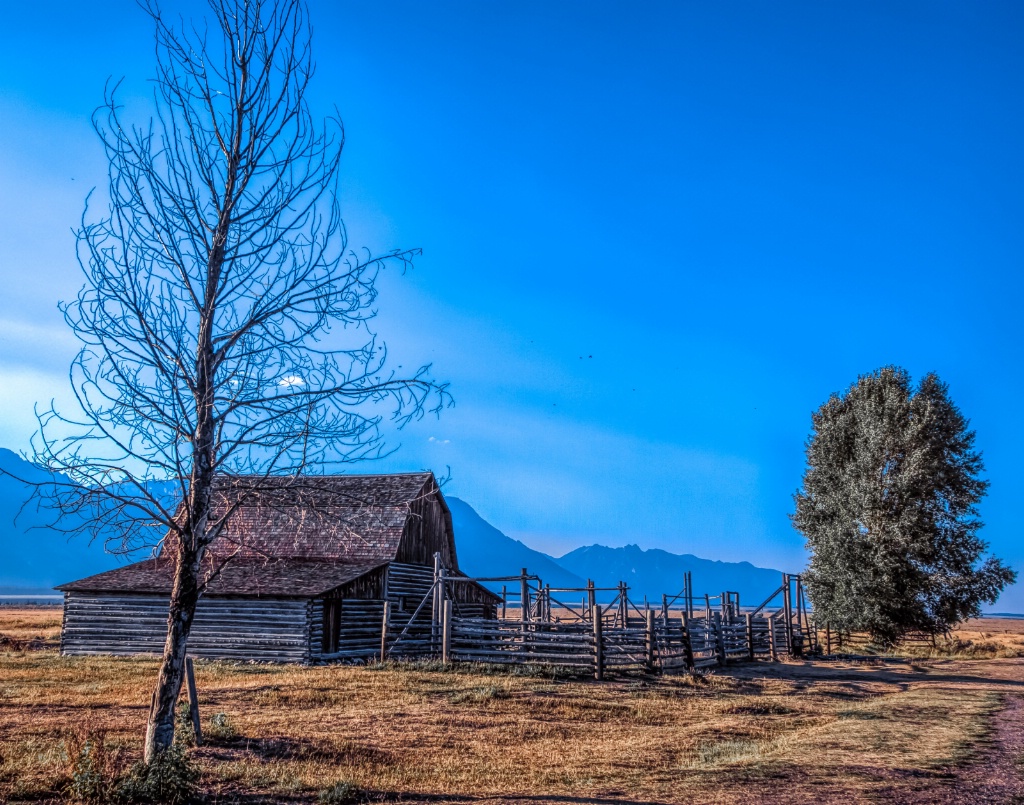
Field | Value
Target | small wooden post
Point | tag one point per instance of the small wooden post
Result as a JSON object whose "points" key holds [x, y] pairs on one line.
{"points": [[524, 593], [771, 638], [707, 608], [384, 631], [787, 605], [719, 638], [446, 640], [547, 603], [750, 636], [687, 645], [504, 600], [664, 610], [623, 604], [810, 631], [650, 644], [598, 643], [689, 594], [724, 602], [828, 639], [435, 610], [193, 700]]}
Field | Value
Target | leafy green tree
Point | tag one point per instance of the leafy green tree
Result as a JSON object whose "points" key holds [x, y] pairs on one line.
{"points": [[889, 508]]}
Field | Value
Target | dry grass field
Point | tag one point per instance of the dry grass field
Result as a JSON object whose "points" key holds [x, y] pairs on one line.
{"points": [[886, 729]]}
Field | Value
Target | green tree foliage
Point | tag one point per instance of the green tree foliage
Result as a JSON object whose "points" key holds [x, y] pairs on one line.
{"points": [[889, 510]]}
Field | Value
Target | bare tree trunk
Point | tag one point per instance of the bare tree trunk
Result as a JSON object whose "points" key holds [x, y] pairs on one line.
{"points": [[184, 596], [192, 544]]}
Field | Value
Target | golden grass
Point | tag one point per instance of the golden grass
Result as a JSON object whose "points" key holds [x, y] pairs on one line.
{"points": [[988, 638], [762, 732], [36, 626]]}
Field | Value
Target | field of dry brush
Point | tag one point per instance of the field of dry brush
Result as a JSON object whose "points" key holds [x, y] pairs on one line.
{"points": [[887, 729]]}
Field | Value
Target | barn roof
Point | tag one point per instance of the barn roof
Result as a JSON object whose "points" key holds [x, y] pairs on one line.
{"points": [[248, 576], [300, 536], [358, 519]]}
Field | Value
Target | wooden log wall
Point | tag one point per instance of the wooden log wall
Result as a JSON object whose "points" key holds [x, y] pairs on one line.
{"points": [[362, 621], [265, 629]]}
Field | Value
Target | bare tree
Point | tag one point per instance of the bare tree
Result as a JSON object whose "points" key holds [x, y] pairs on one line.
{"points": [[225, 320]]}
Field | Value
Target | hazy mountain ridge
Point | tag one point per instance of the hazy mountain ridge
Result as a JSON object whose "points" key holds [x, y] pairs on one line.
{"points": [[654, 572], [648, 573], [33, 555]]}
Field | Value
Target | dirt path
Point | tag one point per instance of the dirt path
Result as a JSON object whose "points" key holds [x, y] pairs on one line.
{"points": [[995, 776]]}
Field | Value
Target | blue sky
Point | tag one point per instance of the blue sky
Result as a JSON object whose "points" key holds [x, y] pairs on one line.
{"points": [[655, 237]]}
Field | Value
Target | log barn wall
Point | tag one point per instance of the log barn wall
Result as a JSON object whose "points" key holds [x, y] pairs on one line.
{"points": [[263, 629]]}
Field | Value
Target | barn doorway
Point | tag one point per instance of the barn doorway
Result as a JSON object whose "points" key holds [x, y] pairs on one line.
{"points": [[332, 625]]}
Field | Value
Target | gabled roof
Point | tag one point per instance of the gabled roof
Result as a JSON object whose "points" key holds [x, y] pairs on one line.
{"points": [[248, 576], [289, 536], [357, 519]]}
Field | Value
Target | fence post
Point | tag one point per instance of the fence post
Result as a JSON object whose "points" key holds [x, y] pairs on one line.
{"points": [[435, 609], [664, 609], [524, 592], [719, 638], [598, 643], [651, 645], [687, 645], [750, 636], [384, 631], [771, 638], [446, 639], [787, 604], [193, 700], [707, 607], [591, 597], [623, 605], [504, 600]]}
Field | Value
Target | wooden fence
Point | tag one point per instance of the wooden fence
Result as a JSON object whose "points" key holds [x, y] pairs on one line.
{"points": [[601, 645], [541, 625]]}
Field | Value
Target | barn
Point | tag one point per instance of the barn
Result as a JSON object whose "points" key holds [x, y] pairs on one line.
{"points": [[300, 573]]}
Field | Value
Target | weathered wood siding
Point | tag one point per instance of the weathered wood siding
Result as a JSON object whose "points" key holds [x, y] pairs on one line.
{"points": [[362, 612], [428, 530], [264, 629]]}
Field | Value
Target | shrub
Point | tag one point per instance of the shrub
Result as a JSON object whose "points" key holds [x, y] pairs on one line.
{"points": [[344, 792], [93, 767], [170, 779], [220, 728], [479, 695], [184, 731]]}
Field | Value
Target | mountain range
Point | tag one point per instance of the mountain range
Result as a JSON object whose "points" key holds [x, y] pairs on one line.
{"points": [[485, 551], [34, 556]]}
